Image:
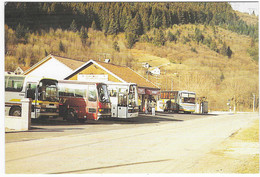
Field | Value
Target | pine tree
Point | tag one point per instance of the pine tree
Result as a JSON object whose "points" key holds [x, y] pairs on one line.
{"points": [[229, 52], [21, 33], [83, 35], [130, 39], [199, 37], [159, 39], [223, 49], [113, 27], [45, 53], [73, 26], [93, 25], [61, 47], [145, 20]]}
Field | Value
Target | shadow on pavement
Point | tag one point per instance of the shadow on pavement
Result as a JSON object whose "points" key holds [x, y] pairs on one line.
{"points": [[142, 119]]}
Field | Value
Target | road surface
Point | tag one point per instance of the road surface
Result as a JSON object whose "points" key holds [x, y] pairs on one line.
{"points": [[166, 146]]}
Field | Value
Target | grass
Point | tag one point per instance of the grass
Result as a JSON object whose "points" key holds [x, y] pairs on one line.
{"points": [[230, 157], [251, 167], [250, 134]]}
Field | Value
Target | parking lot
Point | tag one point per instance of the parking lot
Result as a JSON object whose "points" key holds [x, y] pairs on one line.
{"points": [[59, 127]]}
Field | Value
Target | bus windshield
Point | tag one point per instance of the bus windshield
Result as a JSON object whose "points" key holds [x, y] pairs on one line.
{"points": [[103, 93], [48, 90], [188, 98]]}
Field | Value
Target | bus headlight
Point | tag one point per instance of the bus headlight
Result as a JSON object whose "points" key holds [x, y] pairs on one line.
{"points": [[100, 110]]}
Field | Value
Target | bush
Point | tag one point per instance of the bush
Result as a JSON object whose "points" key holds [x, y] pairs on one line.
{"points": [[194, 50], [171, 37], [130, 39], [115, 46]]}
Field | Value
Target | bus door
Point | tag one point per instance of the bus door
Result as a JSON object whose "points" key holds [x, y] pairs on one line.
{"points": [[122, 103], [30, 92]]}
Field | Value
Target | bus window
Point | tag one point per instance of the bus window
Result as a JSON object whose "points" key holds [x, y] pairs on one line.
{"points": [[188, 98], [103, 93], [92, 94], [30, 90], [122, 97], [80, 93], [112, 93], [14, 84]]}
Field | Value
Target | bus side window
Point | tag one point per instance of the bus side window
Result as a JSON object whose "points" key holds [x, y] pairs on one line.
{"points": [[80, 93], [30, 91], [122, 99], [14, 84], [92, 93]]}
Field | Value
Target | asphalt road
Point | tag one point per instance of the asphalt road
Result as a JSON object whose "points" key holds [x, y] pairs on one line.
{"points": [[58, 127], [166, 143]]}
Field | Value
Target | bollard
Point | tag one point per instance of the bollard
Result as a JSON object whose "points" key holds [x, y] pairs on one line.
{"points": [[153, 111], [26, 113]]}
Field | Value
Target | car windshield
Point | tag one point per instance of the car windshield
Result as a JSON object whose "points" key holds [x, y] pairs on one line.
{"points": [[103, 93]]}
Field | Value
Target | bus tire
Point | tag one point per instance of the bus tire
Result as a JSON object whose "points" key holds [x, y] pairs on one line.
{"points": [[71, 116], [15, 111]]}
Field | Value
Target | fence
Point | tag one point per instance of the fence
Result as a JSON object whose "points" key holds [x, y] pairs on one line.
{"points": [[23, 122]]}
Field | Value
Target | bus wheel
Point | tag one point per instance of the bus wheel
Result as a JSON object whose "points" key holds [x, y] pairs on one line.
{"points": [[71, 116], [16, 111]]}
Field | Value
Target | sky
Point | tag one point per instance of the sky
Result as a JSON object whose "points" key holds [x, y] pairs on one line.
{"points": [[246, 6]]}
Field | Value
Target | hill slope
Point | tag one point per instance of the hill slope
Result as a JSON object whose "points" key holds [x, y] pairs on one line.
{"points": [[194, 57]]}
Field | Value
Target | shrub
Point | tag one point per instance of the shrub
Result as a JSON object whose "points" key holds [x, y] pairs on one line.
{"points": [[130, 39], [194, 50]]}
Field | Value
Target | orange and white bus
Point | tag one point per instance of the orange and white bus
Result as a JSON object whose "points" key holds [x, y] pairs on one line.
{"points": [[177, 101], [81, 100]]}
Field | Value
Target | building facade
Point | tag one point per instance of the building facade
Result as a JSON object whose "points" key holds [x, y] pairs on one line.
{"points": [[63, 68]]}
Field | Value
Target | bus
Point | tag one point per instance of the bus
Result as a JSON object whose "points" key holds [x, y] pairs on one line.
{"points": [[124, 99], [177, 101], [42, 91], [81, 100]]}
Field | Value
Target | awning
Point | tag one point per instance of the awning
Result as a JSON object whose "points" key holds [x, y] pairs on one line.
{"points": [[148, 91]]}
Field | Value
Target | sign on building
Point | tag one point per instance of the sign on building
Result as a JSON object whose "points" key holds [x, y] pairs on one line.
{"points": [[93, 77]]}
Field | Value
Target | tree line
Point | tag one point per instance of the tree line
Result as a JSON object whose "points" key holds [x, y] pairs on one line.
{"points": [[135, 18]]}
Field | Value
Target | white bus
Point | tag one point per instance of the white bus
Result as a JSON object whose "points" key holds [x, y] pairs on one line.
{"points": [[42, 91], [124, 99], [177, 101]]}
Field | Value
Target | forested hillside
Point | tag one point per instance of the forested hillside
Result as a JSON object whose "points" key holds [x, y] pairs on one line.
{"points": [[203, 47]]}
